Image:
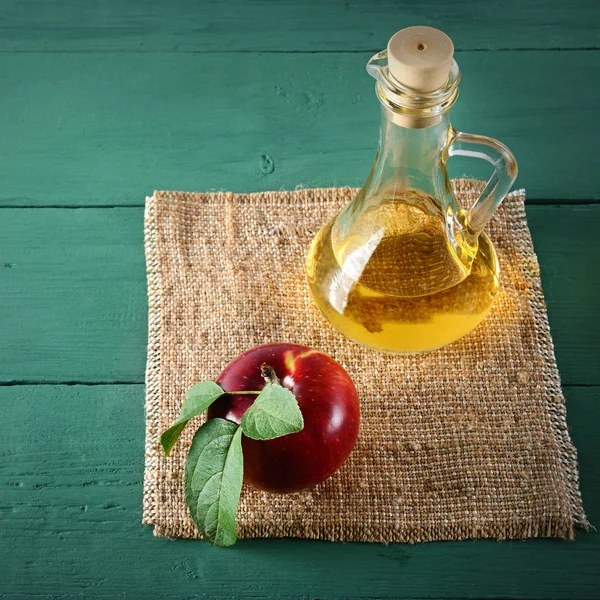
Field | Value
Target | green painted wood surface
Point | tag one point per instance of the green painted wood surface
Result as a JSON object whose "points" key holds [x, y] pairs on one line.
{"points": [[290, 26], [70, 486], [101, 129], [75, 283], [104, 101]]}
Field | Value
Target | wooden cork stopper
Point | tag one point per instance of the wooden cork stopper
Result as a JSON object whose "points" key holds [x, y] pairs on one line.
{"points": [[419, 58]]}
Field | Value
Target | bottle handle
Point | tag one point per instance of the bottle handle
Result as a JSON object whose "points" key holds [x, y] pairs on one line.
{"points": [[505, 173]]}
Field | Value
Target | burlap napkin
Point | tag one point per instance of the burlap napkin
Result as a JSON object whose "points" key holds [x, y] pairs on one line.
{"points": [[469, 441]]}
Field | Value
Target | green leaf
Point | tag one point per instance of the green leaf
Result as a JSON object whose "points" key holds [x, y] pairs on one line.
{"points": [[213, 480], [274, 413], [197, 399]]}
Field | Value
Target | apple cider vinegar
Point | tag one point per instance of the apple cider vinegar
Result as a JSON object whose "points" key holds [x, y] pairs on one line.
{"points": [[404, 267], [393, 282]]}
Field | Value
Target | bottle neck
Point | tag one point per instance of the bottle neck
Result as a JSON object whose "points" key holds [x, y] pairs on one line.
{"points": [[408, 161], [410, 158], [398, 140]]}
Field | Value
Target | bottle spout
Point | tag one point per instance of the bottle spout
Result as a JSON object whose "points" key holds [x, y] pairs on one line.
{"points": [[377, 66]]}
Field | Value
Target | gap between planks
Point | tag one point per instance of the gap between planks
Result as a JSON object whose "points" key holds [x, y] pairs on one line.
{"points": [[363, 51]]}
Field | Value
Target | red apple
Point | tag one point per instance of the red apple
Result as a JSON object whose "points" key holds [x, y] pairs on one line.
{"points": [[328, 402]]}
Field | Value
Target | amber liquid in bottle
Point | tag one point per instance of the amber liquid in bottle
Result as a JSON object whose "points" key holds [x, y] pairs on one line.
{"points": [[393, 281]]}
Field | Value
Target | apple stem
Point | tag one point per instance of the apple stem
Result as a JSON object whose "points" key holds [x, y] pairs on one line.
{"points": [[244, 392], [268, 372]]}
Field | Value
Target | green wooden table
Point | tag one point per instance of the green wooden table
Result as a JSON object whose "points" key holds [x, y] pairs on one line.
{"points": [[101, 103]]}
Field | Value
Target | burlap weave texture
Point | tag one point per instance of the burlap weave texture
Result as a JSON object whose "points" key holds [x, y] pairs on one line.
{"points": [[468, 441]]}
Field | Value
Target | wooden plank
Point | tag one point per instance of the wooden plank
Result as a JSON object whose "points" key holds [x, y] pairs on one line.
{"points": [[71, 468], [99, 130], [262, 25], [73, 304], [564, 242]]}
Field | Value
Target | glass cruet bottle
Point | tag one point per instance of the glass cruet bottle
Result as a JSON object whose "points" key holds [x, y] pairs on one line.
{"points": [[404, 268]]}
